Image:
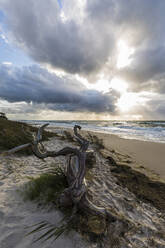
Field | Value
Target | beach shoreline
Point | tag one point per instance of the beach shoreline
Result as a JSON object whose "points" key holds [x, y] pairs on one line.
{"points": [[150, 155], [147, 156], [153, 131]]}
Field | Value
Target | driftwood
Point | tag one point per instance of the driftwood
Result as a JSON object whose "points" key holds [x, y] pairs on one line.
{"points": [[75, 168], [76, 194]]}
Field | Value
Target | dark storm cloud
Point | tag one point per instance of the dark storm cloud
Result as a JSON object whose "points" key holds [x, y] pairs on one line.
{"points": [[84, 45], [38, 28], [141, 23], [81, 47], [146, 71], [154, 109], [144, 23], [144, 19], [146, 65], [33, 84]]}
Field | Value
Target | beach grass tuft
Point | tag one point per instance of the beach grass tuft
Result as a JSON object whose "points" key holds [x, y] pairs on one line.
{"points": [[13, 133], [46, 188]]}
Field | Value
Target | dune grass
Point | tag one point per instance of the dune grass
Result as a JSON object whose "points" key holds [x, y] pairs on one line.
{"points": [[12, 134], [45, 190]]}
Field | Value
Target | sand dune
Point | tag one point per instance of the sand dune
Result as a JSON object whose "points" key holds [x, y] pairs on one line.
{"points": [[16, 215], [134, 223]]}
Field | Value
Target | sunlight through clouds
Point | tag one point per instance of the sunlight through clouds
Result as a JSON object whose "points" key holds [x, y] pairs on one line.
{"points": [[104, 51], [129, 100], [119, 85], [124, 53]]}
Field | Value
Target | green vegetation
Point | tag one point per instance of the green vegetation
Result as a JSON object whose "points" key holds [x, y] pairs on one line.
{"points": [[46, 189], [13, 133]]}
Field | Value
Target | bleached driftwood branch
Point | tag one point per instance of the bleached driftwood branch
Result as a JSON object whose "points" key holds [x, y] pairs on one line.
{"points": [[75, 194], [75, 169]]}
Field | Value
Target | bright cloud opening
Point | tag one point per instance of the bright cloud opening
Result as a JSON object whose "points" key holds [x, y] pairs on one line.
{"points": [[102, 85], [119, 85], [124, 52], [63, 17], [129, 100]]}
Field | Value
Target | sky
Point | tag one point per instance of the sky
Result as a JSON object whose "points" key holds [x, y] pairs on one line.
{"points": [[79, 59]]}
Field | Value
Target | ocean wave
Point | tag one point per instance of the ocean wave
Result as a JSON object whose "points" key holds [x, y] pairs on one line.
{"points": [[141, 130]]}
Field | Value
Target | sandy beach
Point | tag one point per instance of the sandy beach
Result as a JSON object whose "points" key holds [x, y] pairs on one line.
{"points": [[150, 155], [135, 223]]}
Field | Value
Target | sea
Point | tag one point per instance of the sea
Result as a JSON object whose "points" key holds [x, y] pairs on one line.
{"points": [[140, 130]]}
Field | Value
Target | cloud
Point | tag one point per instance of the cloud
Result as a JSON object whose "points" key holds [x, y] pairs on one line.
{"points": [[37, 85], [147, 70], [148, 63], [72, 46], [81, 37], [144, 19], [154, 108], [7, 63], [141, 25]]}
